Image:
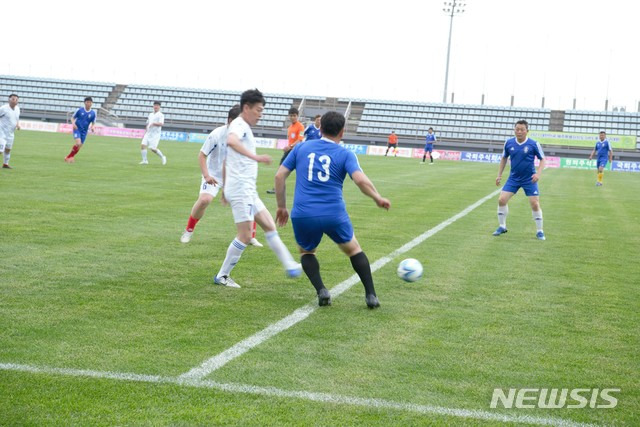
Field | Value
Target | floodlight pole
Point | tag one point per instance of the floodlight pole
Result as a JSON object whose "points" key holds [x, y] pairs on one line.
{"points": [[452, 8]]}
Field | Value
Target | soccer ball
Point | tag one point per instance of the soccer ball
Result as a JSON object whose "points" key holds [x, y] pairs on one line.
{"points": [[410, 270]]}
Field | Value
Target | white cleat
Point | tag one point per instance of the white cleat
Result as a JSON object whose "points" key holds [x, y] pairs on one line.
{"points": [[225, 281], [186, 236], [254, 242], [164, 160], [144, 162]]}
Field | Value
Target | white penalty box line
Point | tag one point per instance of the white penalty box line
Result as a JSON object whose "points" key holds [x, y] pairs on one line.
{"points": [[369, 403], [237, 350]]}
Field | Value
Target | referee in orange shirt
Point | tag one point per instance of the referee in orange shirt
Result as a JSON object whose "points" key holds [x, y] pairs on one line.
{"points": [[393, 143], [295, 134]]}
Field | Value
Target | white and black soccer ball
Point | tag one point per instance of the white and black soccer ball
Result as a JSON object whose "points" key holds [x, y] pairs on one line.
{"points": [[410, 270]]}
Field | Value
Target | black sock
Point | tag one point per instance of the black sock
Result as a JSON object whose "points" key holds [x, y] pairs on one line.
{"points": [[361, 265], [424, 158], [311, 268]]}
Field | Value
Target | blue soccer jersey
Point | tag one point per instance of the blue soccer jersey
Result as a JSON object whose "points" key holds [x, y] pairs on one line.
{"points": [[431, 138], [602, 149], [312, 132], [321, 166], [84, 118], [522, 158]]}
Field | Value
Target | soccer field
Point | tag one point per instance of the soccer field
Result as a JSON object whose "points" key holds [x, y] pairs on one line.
{"points": [[103, 311]]}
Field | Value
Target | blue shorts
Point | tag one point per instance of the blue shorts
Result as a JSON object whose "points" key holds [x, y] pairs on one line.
{"points": [[79, 135], [428, 147], [530, 188], [308, 231], [602, 163]]}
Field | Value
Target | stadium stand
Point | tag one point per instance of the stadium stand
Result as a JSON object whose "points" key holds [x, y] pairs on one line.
{"points": [[368, 121]]}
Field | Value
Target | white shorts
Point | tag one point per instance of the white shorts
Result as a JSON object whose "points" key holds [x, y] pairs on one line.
{"points": [[244, 209], [206, 188], [151, 141]]}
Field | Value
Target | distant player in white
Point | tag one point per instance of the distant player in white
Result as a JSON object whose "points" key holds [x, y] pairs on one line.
{"points": [[9, 119], [151, 138], [211, 158], [240, 174]]}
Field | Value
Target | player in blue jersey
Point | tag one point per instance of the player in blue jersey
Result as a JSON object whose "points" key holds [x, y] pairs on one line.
{"points": [[522, 152], [313, 130], [83, 121], [318, 207], [428, 146], [605, 154]]}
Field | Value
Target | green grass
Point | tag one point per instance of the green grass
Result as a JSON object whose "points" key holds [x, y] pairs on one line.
{"points": [[93, 277]]}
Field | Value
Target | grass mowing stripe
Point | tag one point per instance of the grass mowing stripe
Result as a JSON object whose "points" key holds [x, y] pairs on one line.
{"points": [[302, 313], [311, 396]]}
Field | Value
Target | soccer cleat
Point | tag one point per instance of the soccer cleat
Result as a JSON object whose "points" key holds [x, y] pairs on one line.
{"points": [[164, 160], [324, 297], [186, 236], [144, 162], [598, 184], [540, 236], [272, 191], [499, 231], [372, 301], [225, 281], [6, 166], [296, 271], [254, 242], [69, 159]]}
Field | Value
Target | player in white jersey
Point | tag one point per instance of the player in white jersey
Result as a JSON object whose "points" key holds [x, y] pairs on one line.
{"points": [[151, 138], [240, 174], [9, 122], [211, 158]]}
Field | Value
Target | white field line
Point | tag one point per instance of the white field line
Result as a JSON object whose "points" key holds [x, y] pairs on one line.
{"points": [[379, 404], [237, 350]]}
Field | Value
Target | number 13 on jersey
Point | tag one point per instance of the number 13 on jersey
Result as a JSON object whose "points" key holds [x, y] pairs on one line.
{"points": [[325, 161]]}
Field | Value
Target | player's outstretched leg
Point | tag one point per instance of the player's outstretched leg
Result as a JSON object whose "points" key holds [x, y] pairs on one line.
{"points": [[274, 241], [234, 252], [311, 268]]}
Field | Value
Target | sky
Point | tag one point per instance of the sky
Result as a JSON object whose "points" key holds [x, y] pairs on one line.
{"points": [[396, 50]]}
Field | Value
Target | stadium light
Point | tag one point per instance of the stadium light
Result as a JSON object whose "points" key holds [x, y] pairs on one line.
{"points": [[452, 8]]}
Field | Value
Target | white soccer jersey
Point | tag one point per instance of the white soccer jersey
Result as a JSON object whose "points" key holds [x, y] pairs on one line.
{"points": [[215, 148], [8, 120], [155, 118], [241, 171]]}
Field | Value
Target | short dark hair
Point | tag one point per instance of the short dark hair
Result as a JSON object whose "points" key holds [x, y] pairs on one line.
{"points": [[332, 123], [250, 97], [294, 110], [430, 129], [234, 112], [317, 116], [523, 122], [603, 132], [12, 95], [157, 103], [88, 98]]}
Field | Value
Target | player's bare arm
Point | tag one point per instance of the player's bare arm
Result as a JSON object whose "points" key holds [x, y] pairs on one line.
{"points": [[282, 214], [503, 164], [202, 160], [536, 176], [366, 186], [234, 142]]}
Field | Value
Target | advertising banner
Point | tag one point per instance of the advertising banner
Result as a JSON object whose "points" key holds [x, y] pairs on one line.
{"points": [[173, 136], [443, 154], [197, 137], [625, 166], [356, 148], [120, 132], [267, 142], [580, 164], [550, 162], [581, 139], [40, 126], [281, 143], [467, 156]]}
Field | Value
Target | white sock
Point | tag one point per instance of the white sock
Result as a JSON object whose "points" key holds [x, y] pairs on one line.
{"points": [[537, 217], [234, 252], [6, 158], [276, 245], [159, 153], [144, 155], [503, 211]]}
